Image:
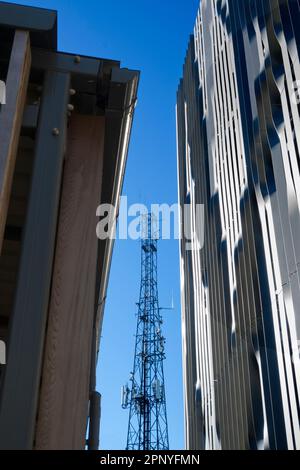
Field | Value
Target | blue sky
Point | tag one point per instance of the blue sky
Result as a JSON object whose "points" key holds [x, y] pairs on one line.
{"points": [[150, 36]]}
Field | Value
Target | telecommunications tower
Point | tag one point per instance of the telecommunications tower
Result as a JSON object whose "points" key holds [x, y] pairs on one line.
{"points": [[145, 394]]}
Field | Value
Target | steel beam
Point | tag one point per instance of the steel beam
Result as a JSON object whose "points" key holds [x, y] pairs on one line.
{"points": [[88, 74], [62, 62], [19, 398], [94, 424], [41, 23]]}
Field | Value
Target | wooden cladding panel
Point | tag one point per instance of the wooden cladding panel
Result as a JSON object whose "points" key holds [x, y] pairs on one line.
{"points": [[66, 370], [11, 118], [20, 389]]}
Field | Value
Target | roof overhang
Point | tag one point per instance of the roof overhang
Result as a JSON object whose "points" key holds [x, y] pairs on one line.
{"points": [[40, 22]]}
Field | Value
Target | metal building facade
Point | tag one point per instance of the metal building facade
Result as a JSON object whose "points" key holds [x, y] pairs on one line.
{"points": [[238, 130]]}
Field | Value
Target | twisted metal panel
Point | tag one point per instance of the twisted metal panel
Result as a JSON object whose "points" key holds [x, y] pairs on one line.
{"points": [[238, 132]]}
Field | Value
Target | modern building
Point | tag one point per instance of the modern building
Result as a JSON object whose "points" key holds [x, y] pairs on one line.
{"points": [[65, 123], [238, 128]]}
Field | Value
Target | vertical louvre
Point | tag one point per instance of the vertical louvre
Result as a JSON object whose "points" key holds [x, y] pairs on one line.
{"points": [[238, 118]]}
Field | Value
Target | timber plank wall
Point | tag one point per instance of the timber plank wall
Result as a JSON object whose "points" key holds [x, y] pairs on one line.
{"points": [[71, 312]]}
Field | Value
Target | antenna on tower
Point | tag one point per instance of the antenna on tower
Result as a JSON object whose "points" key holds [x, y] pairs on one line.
{"points": [[172, 304], [145, 396]]}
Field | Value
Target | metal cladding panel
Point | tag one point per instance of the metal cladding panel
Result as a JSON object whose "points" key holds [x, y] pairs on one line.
{"points": [[238, 154]]}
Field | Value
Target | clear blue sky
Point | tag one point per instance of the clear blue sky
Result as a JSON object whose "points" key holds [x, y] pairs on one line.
{"points": [[151, 36]]}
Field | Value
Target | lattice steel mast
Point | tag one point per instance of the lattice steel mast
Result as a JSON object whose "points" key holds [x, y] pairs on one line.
{"points": [[145, 396]]}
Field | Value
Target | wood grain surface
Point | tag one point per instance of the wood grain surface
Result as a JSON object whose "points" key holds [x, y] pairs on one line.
{"points": [[63, 404], [11, 118]]}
